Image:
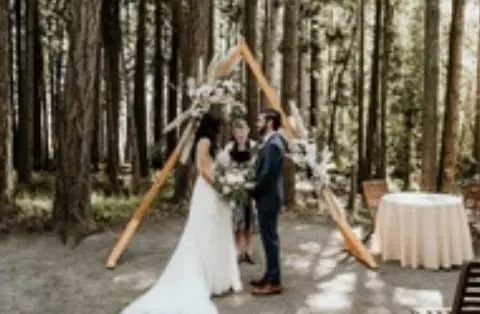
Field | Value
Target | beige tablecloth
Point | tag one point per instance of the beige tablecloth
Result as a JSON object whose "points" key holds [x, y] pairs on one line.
{"points": [[429, 230]]}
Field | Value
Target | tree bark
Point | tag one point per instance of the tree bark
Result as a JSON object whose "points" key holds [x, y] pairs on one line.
{"points": [[6, 184], [25, 108], [173, 71], [387, 42], [430, 100], [372, 137], [139, 93], [450, 131], [476, 137], [360, 101], [158, 73], [250, 27], [290, 85], [112, 44], [72, 217]]}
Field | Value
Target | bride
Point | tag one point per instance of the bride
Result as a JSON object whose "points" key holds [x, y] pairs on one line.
{"points": [[204, 262]]}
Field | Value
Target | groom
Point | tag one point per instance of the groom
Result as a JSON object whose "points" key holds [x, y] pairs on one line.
{"points": [[268, 194]]}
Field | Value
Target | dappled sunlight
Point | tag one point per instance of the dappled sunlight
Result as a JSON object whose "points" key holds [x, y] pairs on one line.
{"points": [[302, 227], [140, 280], [324, 267], [311, 247], [373, 282], [335, 294], [417, 297], [299, 263], [328, 301], [341, 283]]}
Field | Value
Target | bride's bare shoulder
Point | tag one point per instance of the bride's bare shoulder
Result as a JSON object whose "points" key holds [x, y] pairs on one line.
{"points": [[203, 145]]}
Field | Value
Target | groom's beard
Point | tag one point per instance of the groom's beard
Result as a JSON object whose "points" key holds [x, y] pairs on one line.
{"points": [[262, 131]]}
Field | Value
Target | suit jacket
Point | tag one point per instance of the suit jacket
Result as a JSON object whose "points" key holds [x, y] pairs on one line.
{"points": [[268, 191]]}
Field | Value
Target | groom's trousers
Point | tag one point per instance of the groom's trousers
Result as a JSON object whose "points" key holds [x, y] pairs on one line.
{"points": [[268, 223]]}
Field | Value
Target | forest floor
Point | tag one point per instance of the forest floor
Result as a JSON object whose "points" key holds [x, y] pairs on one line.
{"points": [[40, 276]]}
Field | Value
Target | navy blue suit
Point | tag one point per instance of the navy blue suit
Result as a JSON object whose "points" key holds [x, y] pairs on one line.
{"points": [[268, 194]]}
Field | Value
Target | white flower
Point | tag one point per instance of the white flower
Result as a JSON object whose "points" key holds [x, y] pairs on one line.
{"points": [[304, 186], [226, 190], [234, 178]]}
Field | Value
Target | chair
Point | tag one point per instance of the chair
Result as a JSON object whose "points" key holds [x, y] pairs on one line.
{"points": [[467, 294], [472, 205], [372, 193], [472, 201]]}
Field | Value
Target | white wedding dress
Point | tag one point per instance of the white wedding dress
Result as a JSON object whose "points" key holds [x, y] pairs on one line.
{"points": [[203, 264]]}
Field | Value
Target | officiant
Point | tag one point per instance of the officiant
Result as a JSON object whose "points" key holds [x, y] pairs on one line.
{"points": [[240, 154]]}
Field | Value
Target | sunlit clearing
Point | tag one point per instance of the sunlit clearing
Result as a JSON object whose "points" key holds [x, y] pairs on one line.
{"points": [[138, 281], [415, 297]]}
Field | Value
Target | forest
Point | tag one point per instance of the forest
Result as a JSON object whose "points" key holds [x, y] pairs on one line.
{"points": [[391, 88]]}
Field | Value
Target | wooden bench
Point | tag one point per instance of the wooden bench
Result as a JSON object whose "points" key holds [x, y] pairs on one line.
{"points": [[372, 193], [467, 294]]}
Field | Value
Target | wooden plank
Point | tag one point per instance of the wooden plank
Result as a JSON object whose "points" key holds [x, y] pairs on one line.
{"points": [[226, 66], [144, 206], [352, 243], [264, 86]]}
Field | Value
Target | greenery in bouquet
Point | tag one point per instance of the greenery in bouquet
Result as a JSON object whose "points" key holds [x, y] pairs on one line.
{"points": [[233, 182]]}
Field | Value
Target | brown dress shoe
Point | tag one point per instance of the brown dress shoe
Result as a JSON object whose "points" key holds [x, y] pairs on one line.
{"points": [[258, 282], [267, 289]]}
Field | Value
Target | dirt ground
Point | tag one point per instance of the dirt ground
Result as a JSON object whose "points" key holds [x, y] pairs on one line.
{"points": [[40, 276]]}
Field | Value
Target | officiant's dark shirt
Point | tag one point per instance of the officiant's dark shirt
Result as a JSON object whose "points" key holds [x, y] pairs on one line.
{"points": [[240, 156]]}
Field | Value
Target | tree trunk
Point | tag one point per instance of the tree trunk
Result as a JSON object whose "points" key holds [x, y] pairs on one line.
{"points": [[38, 137], [290, 85], [476, 137], [72, 218], [158, 72], [112, 43], [251, 84], [374, 101], [387, 42], [450, 131], [17, 159], [430, 101], [6, 184], [360, 95], [139, 94], [173, 72], [194, 48], [25, 108], [97, 116]]}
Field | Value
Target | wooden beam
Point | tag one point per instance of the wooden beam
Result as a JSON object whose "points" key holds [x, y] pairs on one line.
{"points": [[144, 206], [225, 67], [264, 86], [352, 243]]}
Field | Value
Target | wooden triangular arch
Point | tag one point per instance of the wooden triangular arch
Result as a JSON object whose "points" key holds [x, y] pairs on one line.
{"points": [[352, 243]]}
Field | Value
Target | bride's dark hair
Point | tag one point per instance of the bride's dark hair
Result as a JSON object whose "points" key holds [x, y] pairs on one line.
{"points": [[209, 128]]}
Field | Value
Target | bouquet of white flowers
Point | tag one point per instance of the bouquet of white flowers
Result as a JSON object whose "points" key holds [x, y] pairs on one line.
{"points": [[233, 182]]}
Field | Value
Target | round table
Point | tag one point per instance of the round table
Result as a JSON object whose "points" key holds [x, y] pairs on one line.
{"points": [[422, 229]]}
